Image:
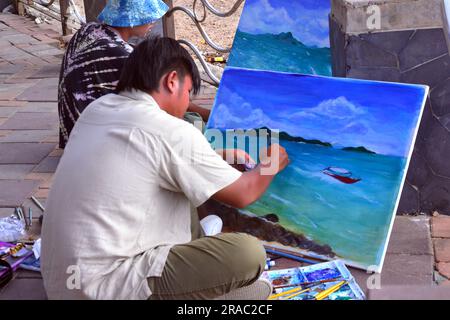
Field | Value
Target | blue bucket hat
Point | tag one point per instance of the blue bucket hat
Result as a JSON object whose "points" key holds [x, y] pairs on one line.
{"points": [[132, 13]]}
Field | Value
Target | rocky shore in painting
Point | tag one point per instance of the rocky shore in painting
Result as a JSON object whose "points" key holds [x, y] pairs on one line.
{"points": [[266, 229]]}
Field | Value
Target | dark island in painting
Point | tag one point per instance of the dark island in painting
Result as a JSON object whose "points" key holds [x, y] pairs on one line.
{"points": [[349, 143]]}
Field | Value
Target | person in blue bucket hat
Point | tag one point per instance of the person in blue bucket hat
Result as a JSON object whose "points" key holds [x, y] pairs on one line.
{"points": [[124, 13], [95, 56]]}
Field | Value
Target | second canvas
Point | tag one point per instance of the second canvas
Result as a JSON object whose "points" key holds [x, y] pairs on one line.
{"points": [[284, 35], [349, 142]]}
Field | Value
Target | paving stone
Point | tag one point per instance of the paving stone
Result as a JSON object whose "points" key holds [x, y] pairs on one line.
{"points": [[14, 192], [8, 33], [410, 293], [4, 77], [10, 68], [405, 269], [44, 90], [40, 47], [4, 133], [25, 73], [27, 136], [40, 107], [442, 250], [13, 54], [10, 91], [6, 212], [7, 104], [33, 61], [57, 153], [49, 71], [24, 289], [6, 112], [55, 59], [37, 212], [440, 227], [410, 236], [41, 193], [34, 232], [47, 184], [438, 278], [24, 153], [50, 52], [444, 269], [15, 171], [52, 139], [31, 121], [45, 39], [42, 176], [22, 39], [14, 80], [48, 165]]}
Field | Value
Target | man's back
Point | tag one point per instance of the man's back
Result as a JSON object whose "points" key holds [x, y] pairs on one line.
{"points": [[119, 201]]}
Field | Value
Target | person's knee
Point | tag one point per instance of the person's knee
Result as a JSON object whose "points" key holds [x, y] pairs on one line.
{"points": [[250, 255]]}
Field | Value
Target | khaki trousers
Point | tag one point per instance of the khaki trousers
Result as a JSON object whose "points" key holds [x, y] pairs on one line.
{"points": [[208, 267]]}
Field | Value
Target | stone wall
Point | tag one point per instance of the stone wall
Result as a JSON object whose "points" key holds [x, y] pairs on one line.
{"points": [[402, 52]]}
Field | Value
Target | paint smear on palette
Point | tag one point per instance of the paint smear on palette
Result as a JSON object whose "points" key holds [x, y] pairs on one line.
{"points": [[286, 277], [328, 273]]}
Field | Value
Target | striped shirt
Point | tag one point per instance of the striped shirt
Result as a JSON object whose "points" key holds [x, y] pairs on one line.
{"points": [[90, 69]]}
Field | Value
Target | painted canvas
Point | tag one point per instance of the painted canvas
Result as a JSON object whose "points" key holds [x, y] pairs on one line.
{"points": [[349, 142], [284, 35]]}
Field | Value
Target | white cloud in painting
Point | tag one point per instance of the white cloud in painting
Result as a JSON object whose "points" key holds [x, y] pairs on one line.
{"points": [[340, 109], [357, 128], [246, 118], [310, 26]]}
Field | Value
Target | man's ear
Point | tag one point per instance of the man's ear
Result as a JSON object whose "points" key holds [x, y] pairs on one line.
{"points": [[172, 82]]}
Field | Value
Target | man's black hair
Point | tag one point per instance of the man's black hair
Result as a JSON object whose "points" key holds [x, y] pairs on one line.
{"points": [[151, 60]]}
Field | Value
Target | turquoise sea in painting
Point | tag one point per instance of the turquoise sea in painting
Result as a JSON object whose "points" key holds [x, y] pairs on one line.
{"points": [[349, 142], [284, 36], [280, 52], [352, 218]]}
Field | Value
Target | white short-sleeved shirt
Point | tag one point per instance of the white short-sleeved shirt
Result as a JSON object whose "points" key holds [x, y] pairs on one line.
{"points": [[121, 198]]}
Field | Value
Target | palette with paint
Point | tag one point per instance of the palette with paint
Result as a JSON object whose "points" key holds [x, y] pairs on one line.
{"points": [[333, 271]]}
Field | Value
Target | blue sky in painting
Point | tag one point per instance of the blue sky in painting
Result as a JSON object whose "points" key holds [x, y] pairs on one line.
{"points": [[306, 19], [347, 113]]}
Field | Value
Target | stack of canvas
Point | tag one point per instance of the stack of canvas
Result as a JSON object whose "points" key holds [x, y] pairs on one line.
{"points": [[350, 141]]}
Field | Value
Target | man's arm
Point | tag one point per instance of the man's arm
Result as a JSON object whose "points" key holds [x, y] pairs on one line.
{"points": [[252, 185], [204, 113]]}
